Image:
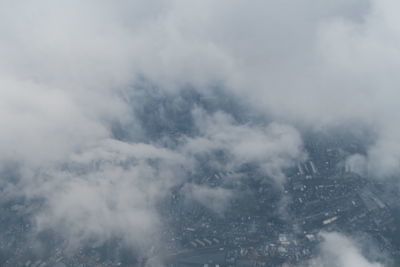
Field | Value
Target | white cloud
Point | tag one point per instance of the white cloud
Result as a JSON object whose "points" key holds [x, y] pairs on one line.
{"points": [[357, 163], [274, 147], [110, 190], [65, 66], [216, 199], [338, 250], [308, 62]]}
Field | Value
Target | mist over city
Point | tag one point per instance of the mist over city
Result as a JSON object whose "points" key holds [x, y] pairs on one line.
{"points": [[207, 133]]}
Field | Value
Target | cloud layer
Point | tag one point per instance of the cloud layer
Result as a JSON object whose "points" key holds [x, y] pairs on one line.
{"points": [[69, 71]]}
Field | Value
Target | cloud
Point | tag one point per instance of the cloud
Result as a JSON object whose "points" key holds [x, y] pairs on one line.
{"points": [[69, 68], [110, 190], [217, 199], [338, 250], [299, 61], [274, 147], [357, 163]]}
